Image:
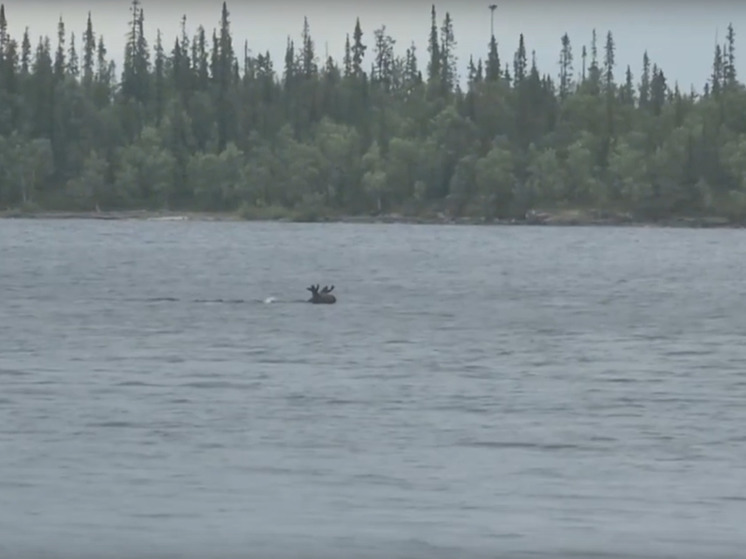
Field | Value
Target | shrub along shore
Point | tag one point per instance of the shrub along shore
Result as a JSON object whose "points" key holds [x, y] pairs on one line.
{"points": [[282, 215]]}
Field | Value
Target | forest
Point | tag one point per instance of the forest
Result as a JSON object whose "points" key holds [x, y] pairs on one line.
{"points": [[198, 123]]}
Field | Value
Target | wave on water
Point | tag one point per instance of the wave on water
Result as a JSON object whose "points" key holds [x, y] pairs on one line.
{"points": [[265, 301], [229, 301]]}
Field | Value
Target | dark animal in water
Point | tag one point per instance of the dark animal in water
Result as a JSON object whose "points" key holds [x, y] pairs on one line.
{"points": [[323, 297]]}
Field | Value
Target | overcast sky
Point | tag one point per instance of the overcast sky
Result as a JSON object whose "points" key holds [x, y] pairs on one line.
{"points": [[679, 35]]}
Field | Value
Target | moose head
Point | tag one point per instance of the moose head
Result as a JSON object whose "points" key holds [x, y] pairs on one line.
{"points": [[324, 296]]}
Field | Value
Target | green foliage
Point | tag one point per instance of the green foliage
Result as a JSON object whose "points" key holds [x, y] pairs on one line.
{"points": [[88, 189], [145, 171], [495, 181], [206, 126], [26, 167]]}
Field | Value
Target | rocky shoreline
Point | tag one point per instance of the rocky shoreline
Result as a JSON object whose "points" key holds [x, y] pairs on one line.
{"points": [[547, 218]]}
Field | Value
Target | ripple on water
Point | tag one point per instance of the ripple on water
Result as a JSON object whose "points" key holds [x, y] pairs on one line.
{"points": [[523, 445], [13, 373]]}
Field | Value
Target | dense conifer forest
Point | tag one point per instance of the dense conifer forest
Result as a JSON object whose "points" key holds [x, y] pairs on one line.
{"points": [[196, 122]]}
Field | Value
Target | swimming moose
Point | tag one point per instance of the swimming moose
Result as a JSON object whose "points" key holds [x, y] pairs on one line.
{"points": [[323, 297]]}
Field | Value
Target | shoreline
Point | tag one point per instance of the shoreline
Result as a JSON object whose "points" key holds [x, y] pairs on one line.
{"points": [[565, 218]]}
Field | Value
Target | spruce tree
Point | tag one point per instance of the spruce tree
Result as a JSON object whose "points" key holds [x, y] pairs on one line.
{"points": [[89, 53], [566, 68]]}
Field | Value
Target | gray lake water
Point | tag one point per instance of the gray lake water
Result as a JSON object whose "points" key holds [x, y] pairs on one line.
{"points": [[475, 392]]}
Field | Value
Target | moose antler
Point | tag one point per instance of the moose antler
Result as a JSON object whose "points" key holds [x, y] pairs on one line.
{"points": [[323, 296]]}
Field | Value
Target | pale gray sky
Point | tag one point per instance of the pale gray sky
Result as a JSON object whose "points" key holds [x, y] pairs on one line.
{"points": [[679, 35]]}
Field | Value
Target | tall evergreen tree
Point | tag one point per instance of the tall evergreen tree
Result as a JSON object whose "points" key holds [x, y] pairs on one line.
{"points": [[729, 70], [520, 62], [384, 62], [25, 53], [566, 68], [433, 47], [135, 74], [4, 37], [492, 69], [609, 63], [627, 93], [59, 58], [358, 50], [658, 90], [223, 50], [717, 71], [594, 71], [347, 62], [159, 81], [89, 53], [448, 59], [309, 66], [645, 82], [289, 74], [73, 63]]}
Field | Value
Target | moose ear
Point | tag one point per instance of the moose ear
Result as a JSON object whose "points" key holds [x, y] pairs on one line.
{"points": [[330, 289]]}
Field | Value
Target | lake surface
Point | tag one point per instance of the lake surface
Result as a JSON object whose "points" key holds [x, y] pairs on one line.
{"points": [[475, 392]]}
